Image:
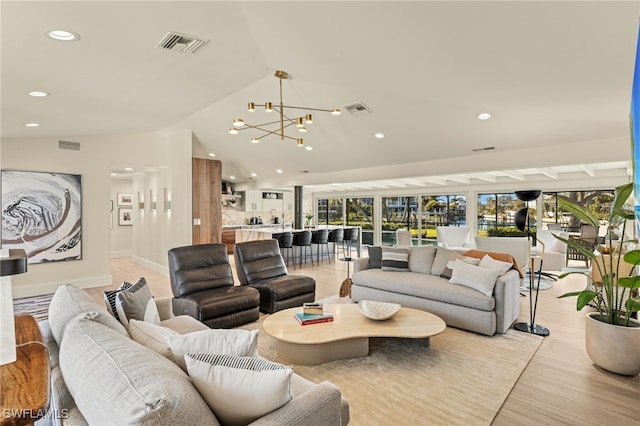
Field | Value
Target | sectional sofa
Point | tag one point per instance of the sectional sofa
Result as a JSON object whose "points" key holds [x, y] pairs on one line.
{"points": [[422, 277], [100, 375]]}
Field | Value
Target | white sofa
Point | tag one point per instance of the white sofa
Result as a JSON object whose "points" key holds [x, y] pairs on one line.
{"points": [[101, 376], [425, 285]]}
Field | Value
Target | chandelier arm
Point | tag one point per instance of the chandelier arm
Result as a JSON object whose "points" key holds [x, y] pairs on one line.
{"points": [[249, 126], [306, 108]]}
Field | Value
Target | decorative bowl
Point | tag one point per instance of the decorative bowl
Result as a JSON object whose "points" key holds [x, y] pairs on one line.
{"points": [[378, 310]]}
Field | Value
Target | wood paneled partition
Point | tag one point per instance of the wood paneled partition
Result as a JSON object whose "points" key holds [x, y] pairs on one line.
{"points": [[207, 201]]}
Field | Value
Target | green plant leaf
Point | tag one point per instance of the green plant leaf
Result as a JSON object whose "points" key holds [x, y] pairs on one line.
{"points": [[629, 282], [632, 305], [623, 192], [577, 210], [573, 293], [584, 298], [573, 244], [632, 257]]}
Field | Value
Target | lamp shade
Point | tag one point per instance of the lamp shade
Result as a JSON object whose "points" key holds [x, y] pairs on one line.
{"points": [[527, 195], [521, 218]]}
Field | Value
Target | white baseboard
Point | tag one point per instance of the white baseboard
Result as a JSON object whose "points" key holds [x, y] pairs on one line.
{"points": [[121, 253], [26, 290], [161, 269]]}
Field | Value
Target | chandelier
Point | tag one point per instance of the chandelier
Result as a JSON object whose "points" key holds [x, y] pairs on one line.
{"points": [[284, 120]]}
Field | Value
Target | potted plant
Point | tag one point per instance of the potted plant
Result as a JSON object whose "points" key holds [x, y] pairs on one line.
{"points": [[612, 336], [308, 216]]}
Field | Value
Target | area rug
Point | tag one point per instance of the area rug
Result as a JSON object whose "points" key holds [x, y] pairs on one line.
{"points": [[463, 378], [38, 306]]}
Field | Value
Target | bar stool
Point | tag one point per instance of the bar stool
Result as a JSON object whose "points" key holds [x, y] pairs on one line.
{"points": [[320, 237], [302, 239], [336, 236], [285, 242], [350, 239]]}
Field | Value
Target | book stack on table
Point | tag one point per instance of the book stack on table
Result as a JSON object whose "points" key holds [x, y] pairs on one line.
{"points": [[313, 313]]}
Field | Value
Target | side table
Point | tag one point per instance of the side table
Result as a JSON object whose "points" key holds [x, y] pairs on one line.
{"points": [[24, 384]]}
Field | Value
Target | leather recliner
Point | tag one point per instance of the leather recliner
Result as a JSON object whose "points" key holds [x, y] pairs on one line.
{"points": [[259, 265], [203, 287]]}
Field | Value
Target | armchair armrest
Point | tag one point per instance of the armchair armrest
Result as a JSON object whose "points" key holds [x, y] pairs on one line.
{"points": [[319, 406], [507, 297]]}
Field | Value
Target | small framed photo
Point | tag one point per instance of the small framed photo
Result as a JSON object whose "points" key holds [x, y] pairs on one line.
{"points": [[125, 199], [125, 217]]}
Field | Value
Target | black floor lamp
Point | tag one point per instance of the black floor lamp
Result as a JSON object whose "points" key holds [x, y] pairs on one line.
{"points": [[522, 223]]}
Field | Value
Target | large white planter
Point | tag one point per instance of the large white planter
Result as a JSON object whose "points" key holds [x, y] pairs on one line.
{"points": [[613, 347]]}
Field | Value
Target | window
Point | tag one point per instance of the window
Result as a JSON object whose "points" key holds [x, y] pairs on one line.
{"points": [[330, 211], [597, 202], [360, 213], [496, 214], [398, 213], [441, 210]]}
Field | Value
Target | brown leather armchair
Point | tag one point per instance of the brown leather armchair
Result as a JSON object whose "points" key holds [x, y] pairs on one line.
{"points": [[202, 285], [259, 265]]}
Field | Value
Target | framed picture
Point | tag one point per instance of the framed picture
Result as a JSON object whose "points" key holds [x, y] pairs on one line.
{"points": [[42, 214], [125, 217], [125, 199]]}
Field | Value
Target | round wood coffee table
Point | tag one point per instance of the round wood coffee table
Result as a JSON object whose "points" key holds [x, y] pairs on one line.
{"points": [[347, 336]]}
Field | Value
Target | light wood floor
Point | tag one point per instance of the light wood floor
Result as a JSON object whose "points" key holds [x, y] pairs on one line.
{"points": [[559, 387]]}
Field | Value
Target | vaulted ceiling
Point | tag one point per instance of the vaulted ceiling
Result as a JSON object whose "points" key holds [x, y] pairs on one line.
{"points": [[555, 76]]}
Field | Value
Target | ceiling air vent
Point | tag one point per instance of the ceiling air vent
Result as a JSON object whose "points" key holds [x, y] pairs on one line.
{"points": [[69, 145], [357, 108], [180, 42]]}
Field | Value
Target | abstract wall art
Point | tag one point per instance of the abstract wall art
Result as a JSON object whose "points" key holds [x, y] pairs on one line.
{"points": [[42, 214]]}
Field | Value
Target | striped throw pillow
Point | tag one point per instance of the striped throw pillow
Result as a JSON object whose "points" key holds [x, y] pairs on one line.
{"points": [[110, 298], [395, 259]]}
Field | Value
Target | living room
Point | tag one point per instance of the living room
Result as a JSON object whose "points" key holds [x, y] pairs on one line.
{"points": [[556, 78]]}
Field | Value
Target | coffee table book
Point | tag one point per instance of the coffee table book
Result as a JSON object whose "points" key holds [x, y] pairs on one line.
{"points": [[305, 319]]}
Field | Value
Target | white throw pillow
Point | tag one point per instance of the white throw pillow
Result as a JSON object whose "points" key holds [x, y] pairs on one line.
{"points": [[475, 277], [152, 336], [395, 259], [214, 341], [239, 390], [491, 263]]}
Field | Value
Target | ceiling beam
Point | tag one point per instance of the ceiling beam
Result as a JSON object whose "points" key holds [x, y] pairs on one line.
{"points": [[514, 174], [550, 173], [589, 170]]}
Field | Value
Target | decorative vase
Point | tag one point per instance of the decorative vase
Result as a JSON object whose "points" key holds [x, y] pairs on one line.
{"points": [[614, 348]]}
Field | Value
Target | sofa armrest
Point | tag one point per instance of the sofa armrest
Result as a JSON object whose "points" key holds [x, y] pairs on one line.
{"points": [[507, 297], [164, 307], [319, 406], [360, 264]]}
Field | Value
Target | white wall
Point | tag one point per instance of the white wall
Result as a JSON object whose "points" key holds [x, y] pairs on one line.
{"points": [[167, 157]]}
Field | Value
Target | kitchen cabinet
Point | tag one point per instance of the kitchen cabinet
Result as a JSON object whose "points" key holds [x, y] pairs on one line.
{"points": [[272, 201], [287, 198], [253, 201]]}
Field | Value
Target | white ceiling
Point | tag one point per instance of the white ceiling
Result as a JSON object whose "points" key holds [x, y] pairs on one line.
{"points": [[556, 76]]}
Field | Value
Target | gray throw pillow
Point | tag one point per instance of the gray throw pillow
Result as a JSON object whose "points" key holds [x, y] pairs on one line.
{"points": [[375, 257], [395, 259], [441, 260], [136, 303]]}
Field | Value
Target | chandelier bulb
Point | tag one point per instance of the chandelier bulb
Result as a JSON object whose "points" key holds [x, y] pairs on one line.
{"points": [[308, 119], [238, 122], [302, 129], [255, 140], [268, 106], [335, 111], [251, 107], [233, 131], [300, 142], [299, 122]]}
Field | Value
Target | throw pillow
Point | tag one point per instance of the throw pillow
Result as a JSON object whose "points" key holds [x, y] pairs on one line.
{"points": [[152, 336], [475, 277], [441, 260], [446, 273], [230, 342], [110, 298], [240, 390], [375, 257], [137, 303], [491, 263], [395, 259], [421, 259]]}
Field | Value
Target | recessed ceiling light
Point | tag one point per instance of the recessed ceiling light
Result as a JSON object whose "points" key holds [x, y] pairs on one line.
{"points": [[63, 35], [31, 124], [484, 116], [38, 94], [379, 135], [308, 148], [211, 154], [232, 177], [279, 171], [253, 175]]}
